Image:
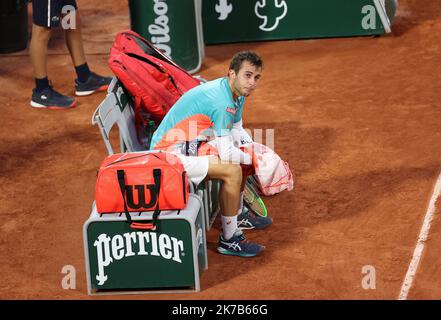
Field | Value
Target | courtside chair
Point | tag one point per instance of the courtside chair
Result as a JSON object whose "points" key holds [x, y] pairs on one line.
{"points": [[115, 110]]}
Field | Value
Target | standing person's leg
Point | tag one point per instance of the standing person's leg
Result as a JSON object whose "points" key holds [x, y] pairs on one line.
{"points": [[38, 51], [74, 41], [44, 18], [87, 82]]}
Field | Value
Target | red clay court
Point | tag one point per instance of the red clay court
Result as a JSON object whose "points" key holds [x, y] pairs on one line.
{"points": [[358, 119]]}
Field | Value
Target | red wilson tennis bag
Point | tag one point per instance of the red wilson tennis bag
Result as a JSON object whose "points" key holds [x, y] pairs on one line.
{"points": [[141, 181], [153, 79]]}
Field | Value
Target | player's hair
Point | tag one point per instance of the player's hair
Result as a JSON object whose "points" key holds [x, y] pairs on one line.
{"points": [[247, 55]]}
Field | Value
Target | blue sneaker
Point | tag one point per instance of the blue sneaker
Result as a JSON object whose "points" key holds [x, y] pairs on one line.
{"points": [[249, 220], [51, 99], [239, 246], [95, 83]]}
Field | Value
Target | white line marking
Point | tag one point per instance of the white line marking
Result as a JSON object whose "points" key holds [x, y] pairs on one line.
{"points": [[410, 275]]}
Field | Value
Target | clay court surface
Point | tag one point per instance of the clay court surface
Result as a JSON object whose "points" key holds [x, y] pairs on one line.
{"points": [[358, 120]]}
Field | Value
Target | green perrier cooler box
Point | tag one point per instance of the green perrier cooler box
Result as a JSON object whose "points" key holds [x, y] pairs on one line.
{"points": [[120, 259], [254, 20], [173, 26]]}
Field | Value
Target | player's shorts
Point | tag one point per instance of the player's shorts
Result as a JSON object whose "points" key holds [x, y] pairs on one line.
{"points": [[196, 167], [48, 13]]}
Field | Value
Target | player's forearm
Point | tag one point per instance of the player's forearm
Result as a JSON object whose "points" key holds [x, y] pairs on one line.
{"points": [[240, 135]]}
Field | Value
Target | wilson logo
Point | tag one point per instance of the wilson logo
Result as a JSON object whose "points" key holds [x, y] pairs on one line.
{"points": [[141, 203], [159, 30]]}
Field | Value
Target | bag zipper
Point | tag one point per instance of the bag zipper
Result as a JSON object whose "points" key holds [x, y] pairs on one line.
{"points": [[143, 155], [122, 160], [158, 67]]}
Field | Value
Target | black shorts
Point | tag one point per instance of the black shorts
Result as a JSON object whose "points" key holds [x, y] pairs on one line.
{"points": [[48, 13]]}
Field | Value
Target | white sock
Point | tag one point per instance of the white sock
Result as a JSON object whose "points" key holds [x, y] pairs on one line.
{"points": [[229, 226]]}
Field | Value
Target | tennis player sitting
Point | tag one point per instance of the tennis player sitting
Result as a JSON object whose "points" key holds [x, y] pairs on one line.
{"points": [[213, 112]]}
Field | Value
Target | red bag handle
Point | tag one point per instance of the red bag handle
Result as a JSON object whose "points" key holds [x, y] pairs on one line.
{"points": [[142, 226]]}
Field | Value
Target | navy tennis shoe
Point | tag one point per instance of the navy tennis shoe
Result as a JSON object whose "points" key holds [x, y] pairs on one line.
{"points": [[51, 99], [249, 220], [239, 246], [95, 83]]}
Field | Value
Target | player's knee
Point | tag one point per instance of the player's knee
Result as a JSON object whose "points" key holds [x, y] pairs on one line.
{"points": [[42, 33], [234, 173]]}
